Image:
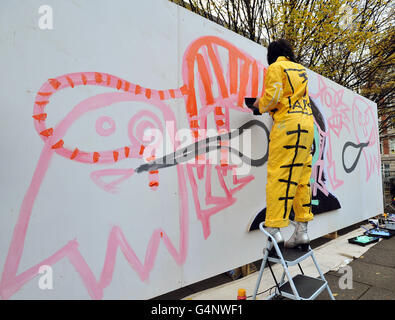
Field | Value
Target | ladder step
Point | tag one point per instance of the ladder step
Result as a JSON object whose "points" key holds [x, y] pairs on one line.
{"points": [[305, 285], [291, 256]]}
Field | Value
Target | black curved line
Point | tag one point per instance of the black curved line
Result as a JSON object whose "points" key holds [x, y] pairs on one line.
{"points": [[359, 146], [202, 146]]}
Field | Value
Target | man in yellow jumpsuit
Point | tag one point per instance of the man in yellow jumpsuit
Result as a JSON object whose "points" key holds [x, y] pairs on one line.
{"points": [[286, 98]]}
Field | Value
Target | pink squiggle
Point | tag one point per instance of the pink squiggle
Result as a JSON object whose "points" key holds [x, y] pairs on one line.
{"points": [[365, 119], [11, 282], [333, 100], [219, 203], [105, 132], [111, 186]]}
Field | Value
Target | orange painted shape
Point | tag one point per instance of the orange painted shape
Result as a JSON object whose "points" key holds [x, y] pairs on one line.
{"points": [[127, 151], [218, 71], [40, 117], [141, 150], [205, 78], [115, 154], [153, 171], [47, 132], [54, 83], [194, 124], [151, 158], [96, 156], [71, 83], [220, 122], [42, 103], [138, 89], [84, 80], [218, 111], [243, 83], [161, 234], [184, 89], [119, 84], [98, 77], [154, 184], [127, 86], [148, 93], [161, 94], [108, 80], [74, 154], [58, 144], [45, 94], [233, 72], [172, 94]]}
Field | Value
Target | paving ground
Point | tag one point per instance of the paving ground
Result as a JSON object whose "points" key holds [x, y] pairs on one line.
{"points": [[373, 275], [372, 267]]}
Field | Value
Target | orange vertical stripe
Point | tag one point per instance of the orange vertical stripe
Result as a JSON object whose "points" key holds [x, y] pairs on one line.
{"points": [[161, 94], [233, 72], [172, 94], [84, 80], [127, 85], [138, 89], [255, 80], [115, 154], [218, 71], [243, 83], [142, 149], [205, 79], [148, 93], [98, 77], [127, 151], [96, 156], [119, 84]]}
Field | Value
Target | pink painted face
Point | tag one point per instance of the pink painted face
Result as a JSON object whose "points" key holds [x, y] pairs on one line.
{"points": [[85, 139], [105, 126]]}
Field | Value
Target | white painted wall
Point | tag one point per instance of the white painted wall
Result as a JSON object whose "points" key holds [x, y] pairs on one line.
{"points": [[144, 43]]}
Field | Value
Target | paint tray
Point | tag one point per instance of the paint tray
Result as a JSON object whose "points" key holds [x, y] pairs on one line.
{"points": [[363, 240], [379, 232]]}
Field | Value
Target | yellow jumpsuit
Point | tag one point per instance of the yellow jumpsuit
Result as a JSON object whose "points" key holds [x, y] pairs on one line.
{"points": [[286, 98]]}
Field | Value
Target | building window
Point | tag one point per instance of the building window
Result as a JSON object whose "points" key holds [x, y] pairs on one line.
{"points": [[392, 146]]}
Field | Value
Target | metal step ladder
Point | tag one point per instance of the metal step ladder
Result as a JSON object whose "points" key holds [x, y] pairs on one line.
{"points": [[300, 287]]}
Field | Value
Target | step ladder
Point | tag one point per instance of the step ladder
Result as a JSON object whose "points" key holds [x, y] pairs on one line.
{"points": [[300, 287]]}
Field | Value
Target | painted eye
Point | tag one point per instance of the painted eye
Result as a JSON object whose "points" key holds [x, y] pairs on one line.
{"points": [[105, 126]]}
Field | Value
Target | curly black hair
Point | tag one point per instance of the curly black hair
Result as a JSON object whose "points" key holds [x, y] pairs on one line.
{"points": [[279, 48]]}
